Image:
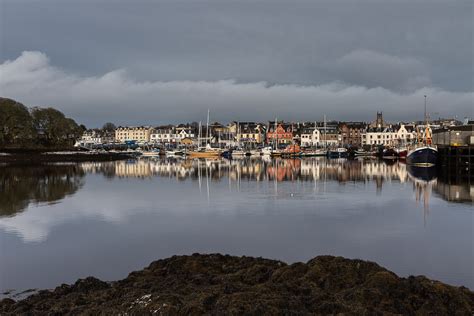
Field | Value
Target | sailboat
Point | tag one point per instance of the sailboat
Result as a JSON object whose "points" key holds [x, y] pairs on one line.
{"points": [[424, 155], [207, 151]]}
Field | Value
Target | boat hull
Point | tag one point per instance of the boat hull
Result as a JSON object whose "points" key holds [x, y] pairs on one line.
{"points": [[337, 154], [424, 156], [198, 154]]}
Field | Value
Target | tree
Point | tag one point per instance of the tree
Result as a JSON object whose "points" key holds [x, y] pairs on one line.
{"points": [[16, 126], [53, 128], [109, 127]]}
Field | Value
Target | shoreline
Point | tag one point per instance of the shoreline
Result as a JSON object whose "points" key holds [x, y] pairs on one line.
{"points": [[55, 155], [223, 284]]}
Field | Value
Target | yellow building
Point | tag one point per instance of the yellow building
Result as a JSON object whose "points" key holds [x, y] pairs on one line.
{"points": [[139, 134]]}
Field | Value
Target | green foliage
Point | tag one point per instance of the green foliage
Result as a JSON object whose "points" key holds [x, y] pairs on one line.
{"points": [[16, 125], [42, 126], [109, 127]]}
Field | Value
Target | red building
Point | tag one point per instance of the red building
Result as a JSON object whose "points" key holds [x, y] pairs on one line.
{"points": [[283, 133]]}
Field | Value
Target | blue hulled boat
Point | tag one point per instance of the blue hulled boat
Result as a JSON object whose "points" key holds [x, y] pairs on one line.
{"points": [[423, 156]]}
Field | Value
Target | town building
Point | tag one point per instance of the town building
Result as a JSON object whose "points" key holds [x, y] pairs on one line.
{"points": [[170, 134], [280, 132], [310, 137], [405, 134], [379, 122], [379, 136], [351, 133], [140, 134], [250, 133]]}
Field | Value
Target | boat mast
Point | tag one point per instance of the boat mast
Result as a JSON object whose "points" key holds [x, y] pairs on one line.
{"points": [[199, 134], [207, 128], [275, 135], [325, 134]]}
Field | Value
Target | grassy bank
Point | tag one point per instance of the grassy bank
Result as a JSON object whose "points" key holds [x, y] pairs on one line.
{"points": [[217, 284]]}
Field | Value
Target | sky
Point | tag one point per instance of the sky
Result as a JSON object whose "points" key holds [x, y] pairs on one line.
{"points": [[155, 62]]}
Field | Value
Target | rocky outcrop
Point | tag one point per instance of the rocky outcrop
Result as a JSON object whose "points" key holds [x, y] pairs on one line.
{"points": [[218, 284]]}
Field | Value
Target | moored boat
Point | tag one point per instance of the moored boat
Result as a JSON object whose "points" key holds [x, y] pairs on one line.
{"points": [[423, 156], [151, 153], [292, 150], [389, 153], [337, 153]]}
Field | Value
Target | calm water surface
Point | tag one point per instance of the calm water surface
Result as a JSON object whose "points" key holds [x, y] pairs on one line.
{"points": [[62, 222]]}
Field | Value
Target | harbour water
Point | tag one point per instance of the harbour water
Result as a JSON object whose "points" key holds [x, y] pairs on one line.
{"points": [[61, 222]]}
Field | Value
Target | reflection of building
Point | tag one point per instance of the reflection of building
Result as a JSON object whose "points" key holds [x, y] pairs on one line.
{"points": [[138, 168], [455, 192]]}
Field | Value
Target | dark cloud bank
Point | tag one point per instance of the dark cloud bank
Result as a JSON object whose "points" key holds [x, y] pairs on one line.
{"points": [[152, 62]]}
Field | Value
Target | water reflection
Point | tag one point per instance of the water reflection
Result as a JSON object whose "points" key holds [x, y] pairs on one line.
{"points": [[22, 185], [115, 217]]}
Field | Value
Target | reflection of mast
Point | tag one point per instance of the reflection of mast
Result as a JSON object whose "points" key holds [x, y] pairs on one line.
{"points": [[208, 170]]}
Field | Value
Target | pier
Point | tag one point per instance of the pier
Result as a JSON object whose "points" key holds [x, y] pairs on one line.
{"points": [[456, 150]]}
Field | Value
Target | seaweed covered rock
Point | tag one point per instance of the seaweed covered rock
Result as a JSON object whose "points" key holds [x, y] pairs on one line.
{"points": [[218, 284]]}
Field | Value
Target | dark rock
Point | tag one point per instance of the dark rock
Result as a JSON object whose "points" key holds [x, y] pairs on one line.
{"points": [[217, 284]]}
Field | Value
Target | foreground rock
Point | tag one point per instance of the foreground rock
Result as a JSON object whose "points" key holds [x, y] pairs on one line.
{"points": [[217, 284]]}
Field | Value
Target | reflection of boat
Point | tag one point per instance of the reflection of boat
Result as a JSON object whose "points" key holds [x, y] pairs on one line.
{"points": [[423, 156], [338, 153], [255, 152], [421, 173], [267, 151]]}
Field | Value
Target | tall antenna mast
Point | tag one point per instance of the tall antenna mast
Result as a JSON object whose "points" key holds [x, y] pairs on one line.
{"points": [[426, 118]]}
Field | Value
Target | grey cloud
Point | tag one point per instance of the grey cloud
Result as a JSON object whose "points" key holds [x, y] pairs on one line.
{"points": [[373, 69], [296, 42], [116, 96]]}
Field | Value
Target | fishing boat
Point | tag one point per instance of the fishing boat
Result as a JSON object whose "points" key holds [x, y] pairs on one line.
{"points": [[337, 153], [425, 155]]}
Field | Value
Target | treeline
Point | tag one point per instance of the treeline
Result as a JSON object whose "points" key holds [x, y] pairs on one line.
{"points": [[35, 127]]}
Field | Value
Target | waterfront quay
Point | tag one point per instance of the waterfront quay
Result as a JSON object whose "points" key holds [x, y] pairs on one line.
{"points": [[456, 150]]}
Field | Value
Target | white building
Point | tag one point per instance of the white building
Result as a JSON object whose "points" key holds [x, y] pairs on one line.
{"points": [[379, 137], [171, 135], [310, 137], [405, 134], [94, 137]]}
